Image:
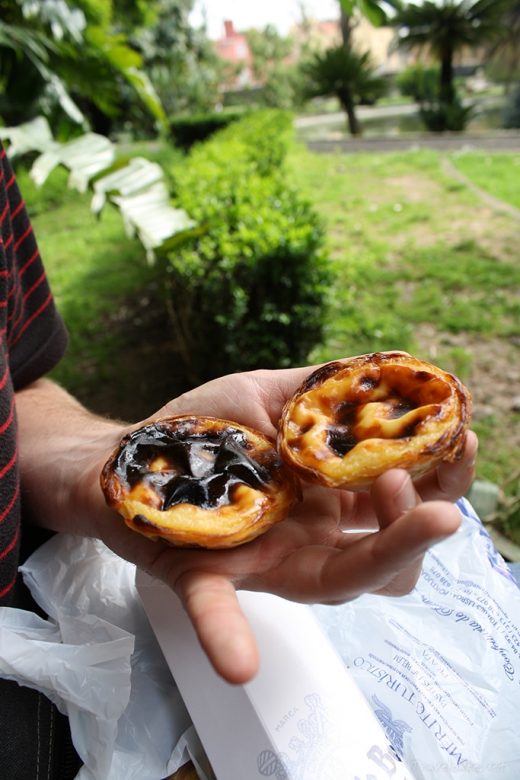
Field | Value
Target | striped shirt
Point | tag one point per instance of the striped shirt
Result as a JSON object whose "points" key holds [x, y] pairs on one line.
{"points": [[32, 340]]}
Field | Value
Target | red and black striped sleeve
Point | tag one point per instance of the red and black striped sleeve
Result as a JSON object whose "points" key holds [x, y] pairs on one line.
{"points": [[35, 335], [32, 340]]}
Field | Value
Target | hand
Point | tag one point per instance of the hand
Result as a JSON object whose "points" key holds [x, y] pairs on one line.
{"points": [[308, 557]]}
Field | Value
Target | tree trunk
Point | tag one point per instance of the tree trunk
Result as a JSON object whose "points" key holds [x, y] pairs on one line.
{"points": [[345, 98], [349, 107], [345, 22], [447, 88]]}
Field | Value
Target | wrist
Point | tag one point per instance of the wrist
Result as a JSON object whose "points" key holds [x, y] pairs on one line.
{"points": [[62, 448]]}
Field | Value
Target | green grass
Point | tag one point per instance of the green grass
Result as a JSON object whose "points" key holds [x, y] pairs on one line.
{"points": [[397, 261], [94, 269], [498, 174]]}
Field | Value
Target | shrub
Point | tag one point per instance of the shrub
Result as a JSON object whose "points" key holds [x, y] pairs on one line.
{"points": [[441, 116], [512, 111], [262, 138], [419, 82], [248, 290], [188, 130]]}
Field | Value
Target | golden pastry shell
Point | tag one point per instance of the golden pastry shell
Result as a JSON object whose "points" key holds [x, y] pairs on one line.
{"points": [[352, 420]]}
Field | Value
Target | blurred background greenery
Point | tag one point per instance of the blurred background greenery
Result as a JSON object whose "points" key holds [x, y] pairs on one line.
{"points": [[292, 255]]}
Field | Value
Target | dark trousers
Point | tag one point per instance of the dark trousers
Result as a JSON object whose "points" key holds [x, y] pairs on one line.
{"points": [[35, 741]]}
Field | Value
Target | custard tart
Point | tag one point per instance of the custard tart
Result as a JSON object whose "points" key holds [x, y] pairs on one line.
{"points": [[198, 482], [352, 420]]}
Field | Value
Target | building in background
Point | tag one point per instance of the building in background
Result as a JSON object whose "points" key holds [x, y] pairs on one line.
{"points": [[233, 48]]}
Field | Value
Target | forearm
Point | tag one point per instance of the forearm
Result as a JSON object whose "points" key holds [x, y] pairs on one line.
{"points": [[61, 450]]}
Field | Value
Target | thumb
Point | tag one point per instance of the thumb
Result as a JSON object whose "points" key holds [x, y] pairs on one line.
{"points": [[211, 603]]}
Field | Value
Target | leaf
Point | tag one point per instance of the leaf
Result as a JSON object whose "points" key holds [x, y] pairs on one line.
{"points": [[33, 136], [56, 86], [373, 12], [144, 88], [136, 175], [62, 20], [84, 157], [348, 6], [140, 192]]}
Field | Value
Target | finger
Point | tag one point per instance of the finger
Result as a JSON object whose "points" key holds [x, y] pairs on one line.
{"points": [[276, 387], [393, 494], [254, 398], [357, 511], [450, 481], [437, 527], [225, 636], [393, 557], [360, 513], [371, 563]]}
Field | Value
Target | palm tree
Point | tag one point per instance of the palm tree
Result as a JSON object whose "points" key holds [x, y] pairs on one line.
{"points": [[345, 74], [447, 27]]}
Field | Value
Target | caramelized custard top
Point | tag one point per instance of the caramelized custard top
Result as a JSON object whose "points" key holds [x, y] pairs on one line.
{"points": [[183, 466]]}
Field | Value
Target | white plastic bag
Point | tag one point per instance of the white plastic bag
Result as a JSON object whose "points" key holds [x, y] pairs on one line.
{"points": [[441, 666], [98, 660]]}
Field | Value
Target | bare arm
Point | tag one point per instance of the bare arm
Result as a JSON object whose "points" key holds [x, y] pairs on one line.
{"points": [[61, 449]]}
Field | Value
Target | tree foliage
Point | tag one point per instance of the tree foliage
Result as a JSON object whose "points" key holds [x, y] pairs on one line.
{"points": [[443, 29], [110, 62], [419, 82], [58, 59], [179, 59], [376, 11]]}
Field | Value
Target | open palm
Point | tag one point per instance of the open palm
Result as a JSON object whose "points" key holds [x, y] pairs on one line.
{"points": [[334, 546]]}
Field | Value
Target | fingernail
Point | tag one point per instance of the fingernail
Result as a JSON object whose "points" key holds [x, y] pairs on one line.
{"points": [[407, 497]]}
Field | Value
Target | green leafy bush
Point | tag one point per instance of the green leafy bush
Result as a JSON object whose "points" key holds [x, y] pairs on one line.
{"points": [[261, 138], [512, 111], [441, 116], [249, 289], [188, 130], [419, 82]]}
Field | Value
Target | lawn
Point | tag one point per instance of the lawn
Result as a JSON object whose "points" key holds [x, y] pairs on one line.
{"points": [[498, 174], [421, 264]]}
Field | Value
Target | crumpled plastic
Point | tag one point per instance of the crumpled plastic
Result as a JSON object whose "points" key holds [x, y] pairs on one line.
{"points": [[441, 665], [98, 660]]}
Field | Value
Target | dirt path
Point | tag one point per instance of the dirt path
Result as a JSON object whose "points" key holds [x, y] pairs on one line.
{"points": [[494, 203], [503, 141]]}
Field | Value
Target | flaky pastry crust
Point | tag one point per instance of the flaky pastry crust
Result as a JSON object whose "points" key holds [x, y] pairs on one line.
{"points": [[198, 481], [354, 419]]}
